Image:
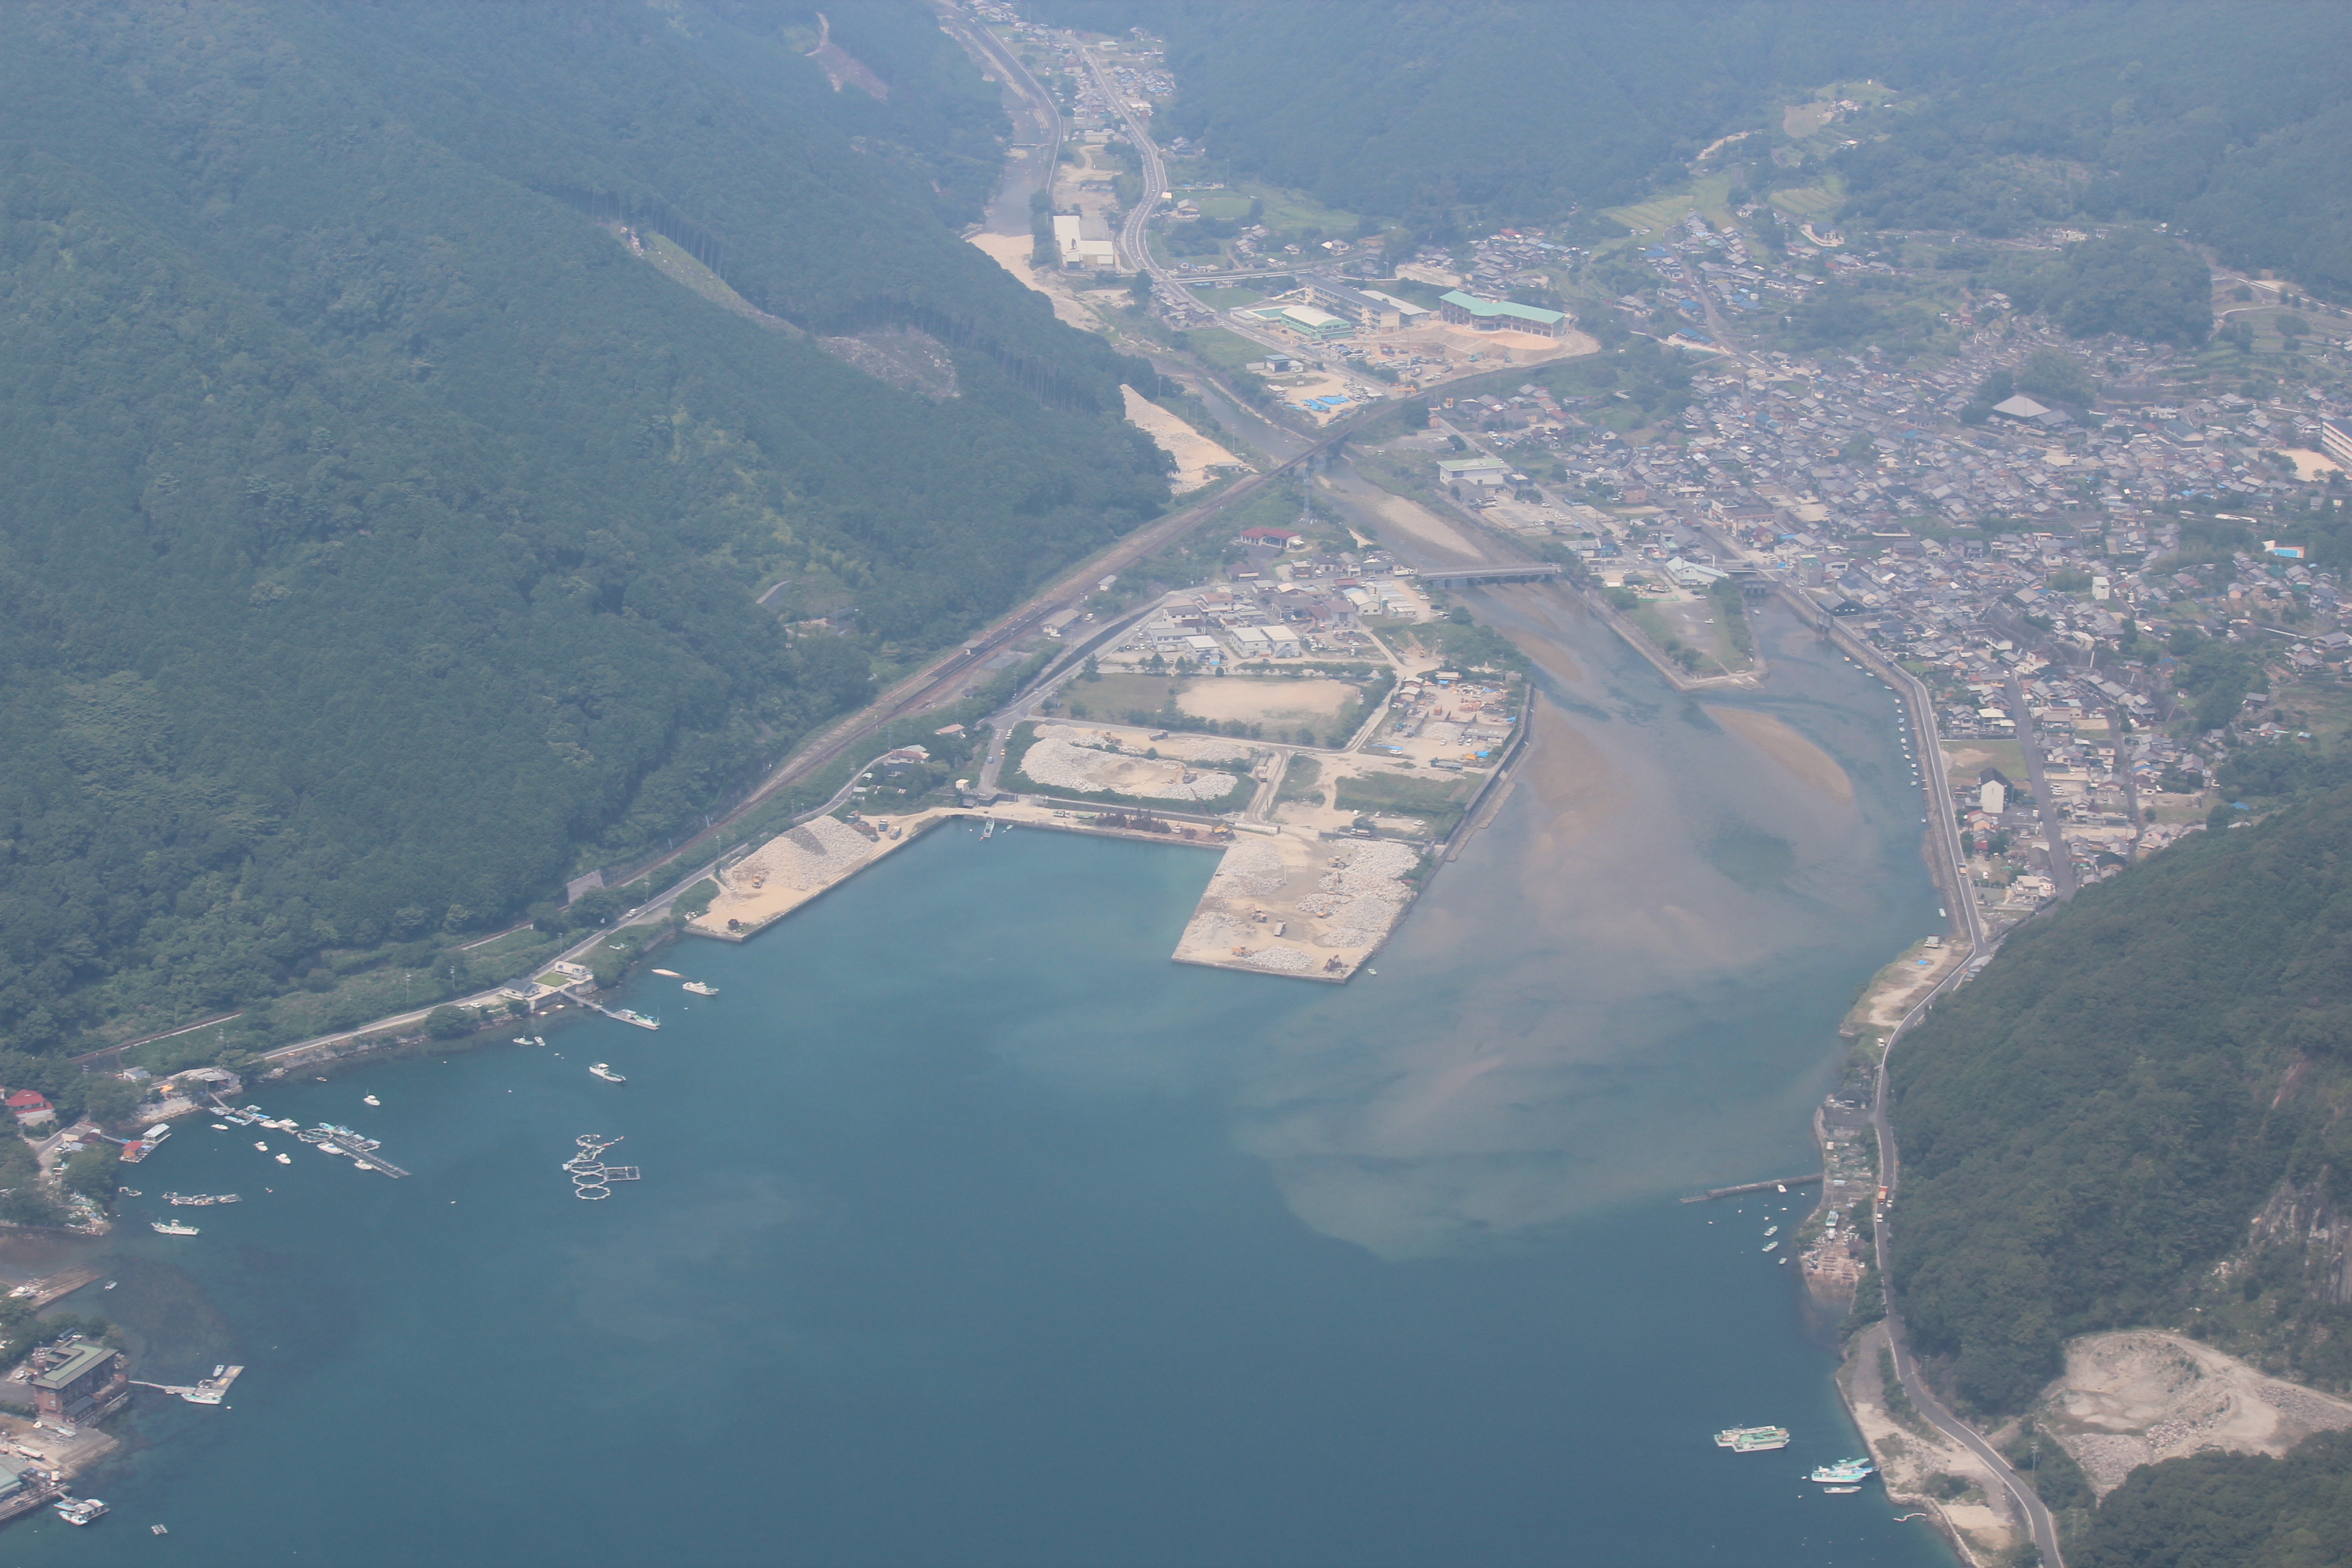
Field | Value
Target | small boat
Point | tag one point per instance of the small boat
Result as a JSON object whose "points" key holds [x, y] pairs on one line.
{"points": [[699, 989], [1770, 1244], [539, 1039], [669, 973], [263, 1147], [285, 1159], [521, 1041], [1771, 1230], [110, 1284], [370, 1100], [220, 1126], [79, 1510], [171, 1228], [1840, 1492], [607, 1073]]}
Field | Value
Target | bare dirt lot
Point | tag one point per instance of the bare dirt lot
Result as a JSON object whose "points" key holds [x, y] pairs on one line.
{"points": [[2141, 1395], [1253, 701]]}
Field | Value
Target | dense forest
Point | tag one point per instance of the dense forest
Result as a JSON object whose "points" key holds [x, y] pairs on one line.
{"points": [[381, 535], [2225, 121], [2093, 1122], [2229, 1511]]}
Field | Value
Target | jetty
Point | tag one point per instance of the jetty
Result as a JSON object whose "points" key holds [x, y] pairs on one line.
{"points": [[1773, 1185], [363, 1151], [619, 1014], [204, 1391], [53, 1287]]}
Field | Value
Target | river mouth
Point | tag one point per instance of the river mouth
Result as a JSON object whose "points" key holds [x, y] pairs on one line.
{"points": [[959, 1192]]}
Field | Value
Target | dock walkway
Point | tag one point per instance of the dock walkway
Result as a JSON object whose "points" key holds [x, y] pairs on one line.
{"points": [[1773, 1185]]}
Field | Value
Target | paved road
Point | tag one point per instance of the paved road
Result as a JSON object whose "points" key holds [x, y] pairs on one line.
{"points": [[2054, 822], [2028, 1503]]}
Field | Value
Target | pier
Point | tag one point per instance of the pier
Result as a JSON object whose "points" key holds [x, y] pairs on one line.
{"points": [[363, 1151], [53, 1287], [204, 1391], [1773, 1185]]}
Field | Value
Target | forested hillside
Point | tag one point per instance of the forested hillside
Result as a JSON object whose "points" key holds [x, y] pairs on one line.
{"points": [[2091, 1124], [2227, 121], [378, 534]]}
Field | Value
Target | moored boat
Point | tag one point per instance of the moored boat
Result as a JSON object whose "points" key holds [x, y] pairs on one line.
{"points": [[79, 1510], [699, 989], [607, 1073], [171, 1228], [1752, 1440]]}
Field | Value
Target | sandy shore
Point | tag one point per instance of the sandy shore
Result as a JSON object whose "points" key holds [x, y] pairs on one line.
{"points": [[1815, 768], [1194, 453]]}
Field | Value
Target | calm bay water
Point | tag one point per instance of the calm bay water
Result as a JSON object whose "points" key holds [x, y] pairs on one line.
{"points": [[972, 1231]]}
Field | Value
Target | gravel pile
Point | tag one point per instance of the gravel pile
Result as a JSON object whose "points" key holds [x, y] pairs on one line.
{"points": [[1287, 959], [1215, 929], [1249, 867], [803, 858], [1058, 765]]}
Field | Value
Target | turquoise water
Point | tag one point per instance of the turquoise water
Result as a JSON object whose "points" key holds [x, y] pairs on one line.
{"points": [[972, 1231]]}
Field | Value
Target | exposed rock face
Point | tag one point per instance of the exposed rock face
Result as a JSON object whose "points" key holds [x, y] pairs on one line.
{"points": [[902, 357], [2302, 1219], [2140, 1396]]}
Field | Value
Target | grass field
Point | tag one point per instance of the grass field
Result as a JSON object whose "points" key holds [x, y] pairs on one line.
{"points": [[1437, 802], [1227, 298], [1115, 694], [1809, 204], [1227, 207], [1292, 210], [1227, 350], [1647, 219]]}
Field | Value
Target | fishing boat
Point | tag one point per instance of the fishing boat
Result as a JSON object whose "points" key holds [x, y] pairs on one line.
{"points": [[607, 1073], [539, 1039], [285, 1159], [521, 1041], [1770, 1244], [110, 1284], [1840, 1492], [370, 1100], [79, 1510], [1845, 1472], [1771, 1230], [171, 1228], [263, 1147], [699, 989]]}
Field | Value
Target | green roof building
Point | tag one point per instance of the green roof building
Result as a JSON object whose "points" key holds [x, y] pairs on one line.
{"points": [[1461, 309]]}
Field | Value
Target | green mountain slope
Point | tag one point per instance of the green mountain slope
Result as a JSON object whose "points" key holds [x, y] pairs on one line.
{"points": [[2223, 120], [2091, 1124], [376, 531]]}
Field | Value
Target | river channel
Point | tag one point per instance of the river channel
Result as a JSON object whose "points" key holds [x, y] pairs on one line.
{"points": [[972, 1231]]}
